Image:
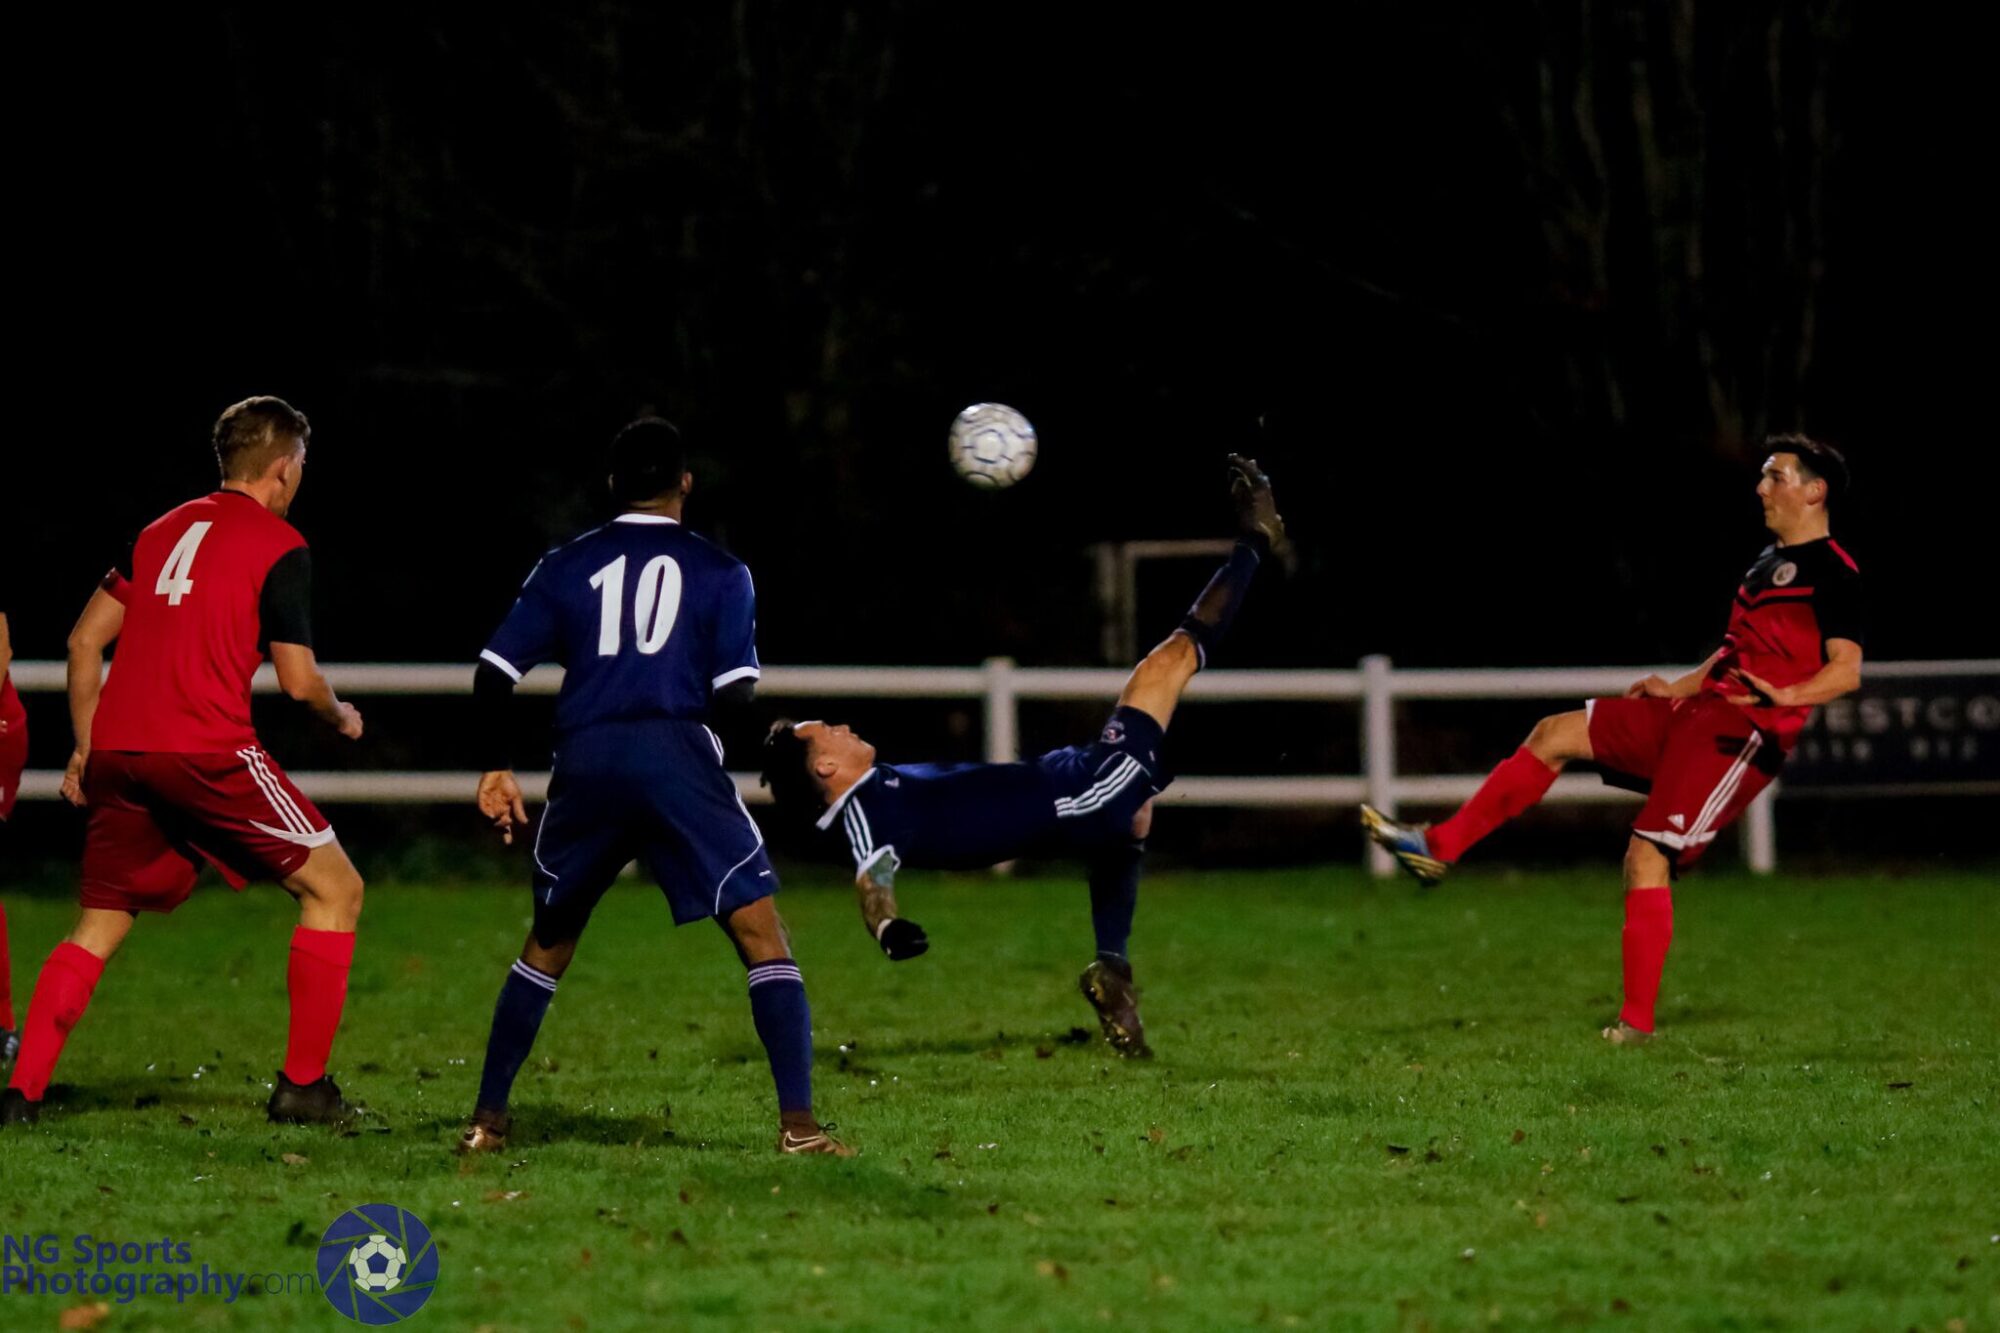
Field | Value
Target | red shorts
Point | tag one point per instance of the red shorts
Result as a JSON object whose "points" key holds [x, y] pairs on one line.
{"points": [[1701, 762], [13, 747], [155, 818]]}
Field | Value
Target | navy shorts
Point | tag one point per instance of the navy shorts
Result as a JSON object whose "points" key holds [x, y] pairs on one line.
{"points": [[1100, 786], [655, 792]]}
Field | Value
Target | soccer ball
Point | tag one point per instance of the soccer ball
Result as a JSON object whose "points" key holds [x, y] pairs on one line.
{"points": [[992, 445], [378, 1264]]}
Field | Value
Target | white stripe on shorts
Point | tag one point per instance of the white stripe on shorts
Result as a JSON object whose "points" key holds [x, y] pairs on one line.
{"points": [[282, 805]]}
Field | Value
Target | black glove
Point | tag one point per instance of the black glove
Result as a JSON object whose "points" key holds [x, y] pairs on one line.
{"points": [[902, 938]]}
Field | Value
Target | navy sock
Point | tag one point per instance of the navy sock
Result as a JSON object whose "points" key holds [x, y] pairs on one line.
{"points": [[516, 1019], [1114, 894], [784, 1024], [1209, 619]]}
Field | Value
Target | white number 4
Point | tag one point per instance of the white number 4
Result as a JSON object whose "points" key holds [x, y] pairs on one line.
{"points": [[174, 581]]}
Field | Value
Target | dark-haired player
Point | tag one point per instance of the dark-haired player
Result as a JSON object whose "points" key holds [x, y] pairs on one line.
{"points": [[655, 628], [1092, 801], [169, 766], [1703, 746]]}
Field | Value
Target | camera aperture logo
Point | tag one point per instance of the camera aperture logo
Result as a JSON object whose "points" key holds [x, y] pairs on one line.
{"points": [[377, 1263]]}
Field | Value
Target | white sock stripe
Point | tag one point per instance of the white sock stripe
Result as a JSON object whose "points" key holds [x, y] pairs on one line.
{"points": [[287, 813], [760, 976], [526, 973]]}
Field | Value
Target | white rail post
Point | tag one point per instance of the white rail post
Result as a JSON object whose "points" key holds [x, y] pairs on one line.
{"points": [[1760, 832], [1378, 748], [1003, 723]]}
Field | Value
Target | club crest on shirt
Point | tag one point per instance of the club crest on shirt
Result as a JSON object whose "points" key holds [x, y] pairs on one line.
{"points": [[1114, 732], [1784, 574]]}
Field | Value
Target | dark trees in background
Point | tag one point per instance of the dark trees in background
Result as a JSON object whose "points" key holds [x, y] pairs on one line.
{"points": [[1525, 284]]}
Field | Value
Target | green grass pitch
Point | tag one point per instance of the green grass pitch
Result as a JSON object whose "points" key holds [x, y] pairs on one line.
{"points": [[1372, 1109]]}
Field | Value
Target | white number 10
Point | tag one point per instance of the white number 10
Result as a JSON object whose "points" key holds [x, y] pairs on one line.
{"points": [[656, 604], [176, 581]]}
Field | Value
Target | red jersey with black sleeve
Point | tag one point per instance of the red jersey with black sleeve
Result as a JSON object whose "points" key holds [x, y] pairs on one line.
{"points": [[207, 589], [1792, 600]]}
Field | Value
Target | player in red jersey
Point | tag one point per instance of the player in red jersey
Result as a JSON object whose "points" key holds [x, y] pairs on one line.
{"points": [[169, 766], [1703, 746], [13, 760]]}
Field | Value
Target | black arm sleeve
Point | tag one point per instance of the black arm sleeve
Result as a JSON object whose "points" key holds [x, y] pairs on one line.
{"points": [[492, 702], [285, 609], [733, 700], [732, 710], [121, 570], [1837, 607]]}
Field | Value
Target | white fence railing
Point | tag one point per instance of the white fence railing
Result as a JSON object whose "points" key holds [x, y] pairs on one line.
{"points": [[1001, 685]]}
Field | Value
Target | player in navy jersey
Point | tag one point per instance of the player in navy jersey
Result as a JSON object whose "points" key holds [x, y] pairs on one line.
{"points": [[1090, 801], [655, 628], [1703, 746]]}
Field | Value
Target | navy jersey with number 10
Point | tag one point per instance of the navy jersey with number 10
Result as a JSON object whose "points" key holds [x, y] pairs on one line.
{"points": [[646, 618]]}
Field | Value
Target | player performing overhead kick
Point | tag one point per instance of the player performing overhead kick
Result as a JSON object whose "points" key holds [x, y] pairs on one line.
{"points": [[169, 766], [1704, 745], [1094, 801]]}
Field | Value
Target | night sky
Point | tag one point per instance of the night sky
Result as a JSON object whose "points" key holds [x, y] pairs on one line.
{"points": [[1516, 293]]}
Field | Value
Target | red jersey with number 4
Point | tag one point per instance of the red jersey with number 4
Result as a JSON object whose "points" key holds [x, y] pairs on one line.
{"points": [[1792, 600], [194, 633]]}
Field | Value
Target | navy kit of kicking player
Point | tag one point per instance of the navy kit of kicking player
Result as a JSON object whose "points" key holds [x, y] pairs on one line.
{"points": [[1090, 801], [1069, 802], [655, 628]]}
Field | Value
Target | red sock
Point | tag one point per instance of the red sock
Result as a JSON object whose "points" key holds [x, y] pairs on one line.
{"points": [[317, 980], [1515, 785], [1649, 929], [6, 979], [62, 993]]}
